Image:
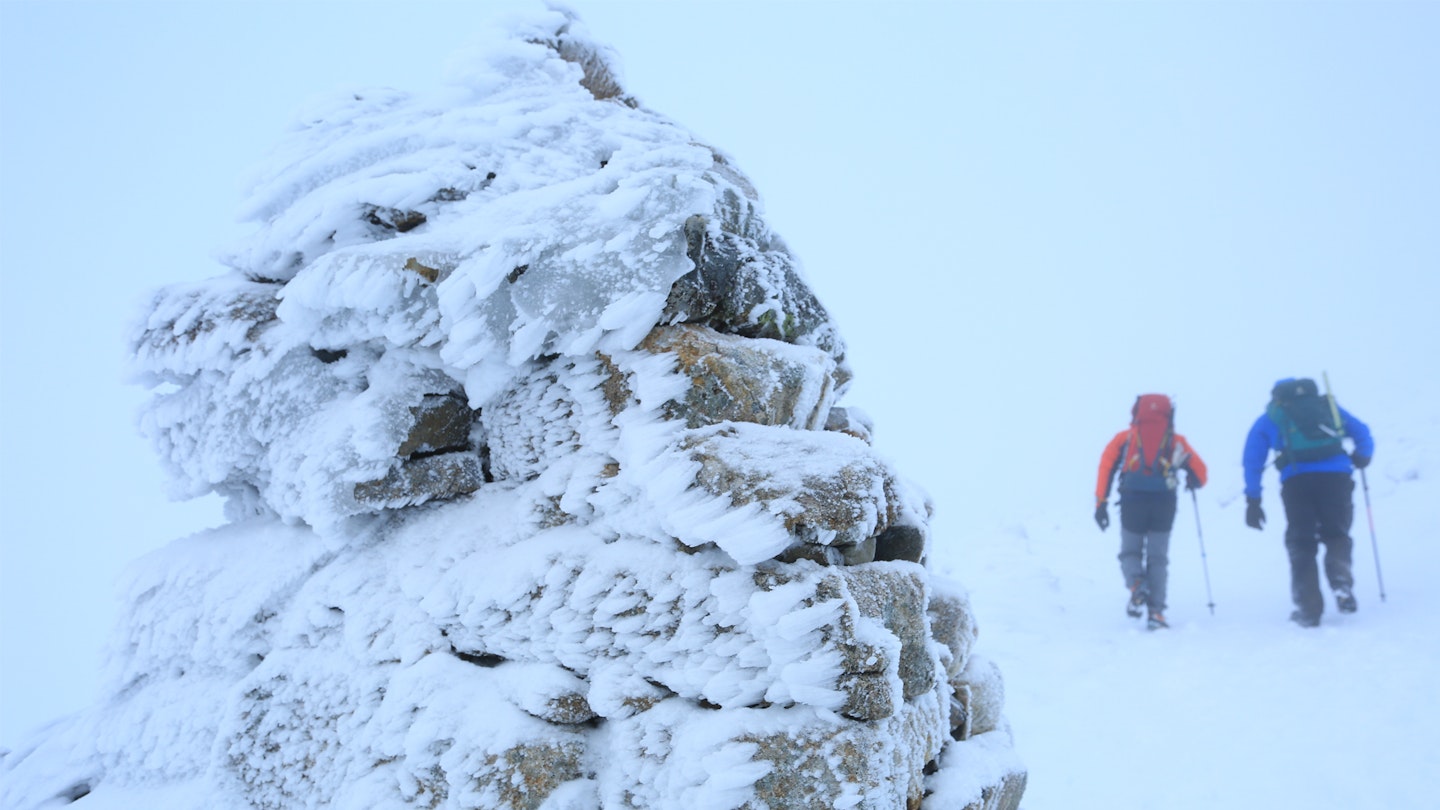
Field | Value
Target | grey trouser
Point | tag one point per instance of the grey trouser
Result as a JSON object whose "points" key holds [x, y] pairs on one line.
{"points": [[1146, 557], [1145, 521]]}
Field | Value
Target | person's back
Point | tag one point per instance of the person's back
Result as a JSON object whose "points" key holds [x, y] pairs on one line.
{"points": [[1306, 431], [1147, 457]]}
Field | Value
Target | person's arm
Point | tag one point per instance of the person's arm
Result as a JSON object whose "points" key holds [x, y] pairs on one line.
{"points": [[1193, 462], [1109, 463], [1359, 432], [1257, 450]]}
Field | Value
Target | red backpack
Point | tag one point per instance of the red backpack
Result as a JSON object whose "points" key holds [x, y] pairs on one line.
{"points": [[1145, 459]]}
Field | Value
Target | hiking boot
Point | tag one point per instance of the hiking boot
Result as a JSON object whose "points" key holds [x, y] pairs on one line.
{"points": [[1304, 619], [1156, 621], [1139, 597], [1345, 600]]}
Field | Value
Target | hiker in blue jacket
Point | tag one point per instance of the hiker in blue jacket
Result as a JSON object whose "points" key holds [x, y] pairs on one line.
{"points": [[1305, 430]]}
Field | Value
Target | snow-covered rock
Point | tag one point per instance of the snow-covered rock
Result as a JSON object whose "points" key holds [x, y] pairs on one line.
{"points": [[540, 492]]}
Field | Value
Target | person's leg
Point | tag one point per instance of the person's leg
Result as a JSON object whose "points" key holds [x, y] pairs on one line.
{"points": [[1134, 521], [1302, 543], [1336, 513], [1157, 568], [1132, 558], [1157, 550]]}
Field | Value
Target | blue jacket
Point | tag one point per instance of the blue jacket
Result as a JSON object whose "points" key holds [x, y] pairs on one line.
{"points": [[1265, 436]]}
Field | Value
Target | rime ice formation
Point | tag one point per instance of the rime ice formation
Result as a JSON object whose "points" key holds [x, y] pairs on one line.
{"points": [[540, 494]]}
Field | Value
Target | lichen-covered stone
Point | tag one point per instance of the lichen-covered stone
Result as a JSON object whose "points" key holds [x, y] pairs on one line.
{"points": [[738, 380], [760, 759], [876, 766], [845, 501], [442, 422], [522, 777]]}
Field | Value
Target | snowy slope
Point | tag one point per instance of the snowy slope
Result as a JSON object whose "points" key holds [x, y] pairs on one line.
{"points": [[1236, 709]]}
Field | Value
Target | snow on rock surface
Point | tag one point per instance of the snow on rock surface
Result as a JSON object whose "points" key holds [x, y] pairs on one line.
{"points": [[540, 492]]}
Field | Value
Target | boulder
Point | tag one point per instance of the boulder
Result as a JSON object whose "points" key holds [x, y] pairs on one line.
{"points": [[823, 488], [422, 479], [442, 422], [733, 379]]}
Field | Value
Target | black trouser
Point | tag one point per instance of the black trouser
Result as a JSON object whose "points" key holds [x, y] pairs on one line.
{"points": [[1318, 509], [1145, 521]]}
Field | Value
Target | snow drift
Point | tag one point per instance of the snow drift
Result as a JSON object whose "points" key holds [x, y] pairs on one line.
{"points": [[540, 492]]}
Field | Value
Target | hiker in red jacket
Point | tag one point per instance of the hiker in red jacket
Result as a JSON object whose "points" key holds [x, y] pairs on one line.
{"points": [[1149, 456]]}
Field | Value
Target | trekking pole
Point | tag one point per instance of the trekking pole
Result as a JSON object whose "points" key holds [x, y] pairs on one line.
{"points": [[1205, 566], [1365, 484], [1374, 544]]}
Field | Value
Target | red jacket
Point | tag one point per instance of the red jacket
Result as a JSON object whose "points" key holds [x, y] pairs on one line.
{"points": [[1181, 456]]}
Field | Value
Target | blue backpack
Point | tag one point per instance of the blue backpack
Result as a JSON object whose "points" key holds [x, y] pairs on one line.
{"points": [[1308, 424]]}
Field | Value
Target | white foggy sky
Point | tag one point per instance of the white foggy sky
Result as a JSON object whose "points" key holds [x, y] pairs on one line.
{"points": [[1020, 214]]}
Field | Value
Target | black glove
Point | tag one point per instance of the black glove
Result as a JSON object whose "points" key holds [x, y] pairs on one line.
{"points": [[1254, 515], [1102, 516], [1360, 462], [1192, 481]]}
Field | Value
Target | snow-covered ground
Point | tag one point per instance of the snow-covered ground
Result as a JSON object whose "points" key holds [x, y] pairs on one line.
{"points": [[1236, 709]]}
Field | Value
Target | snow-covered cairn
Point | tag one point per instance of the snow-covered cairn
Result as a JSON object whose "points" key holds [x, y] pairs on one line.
{"points": [[539, 493]]}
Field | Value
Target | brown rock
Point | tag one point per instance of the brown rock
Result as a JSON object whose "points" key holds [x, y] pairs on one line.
{"points": [[525, 775], [735, 379], [422, 479], [393, 219], [426, 272], [848, 502], [442, 422]]}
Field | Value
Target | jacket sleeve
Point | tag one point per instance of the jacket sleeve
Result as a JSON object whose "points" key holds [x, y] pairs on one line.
{"points": [[1193, 462], [1264, 434], [1109, 463], [1359, 432]]}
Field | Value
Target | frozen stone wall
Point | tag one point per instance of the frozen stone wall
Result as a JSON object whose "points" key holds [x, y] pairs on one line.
{"points": [[541, 491]]}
